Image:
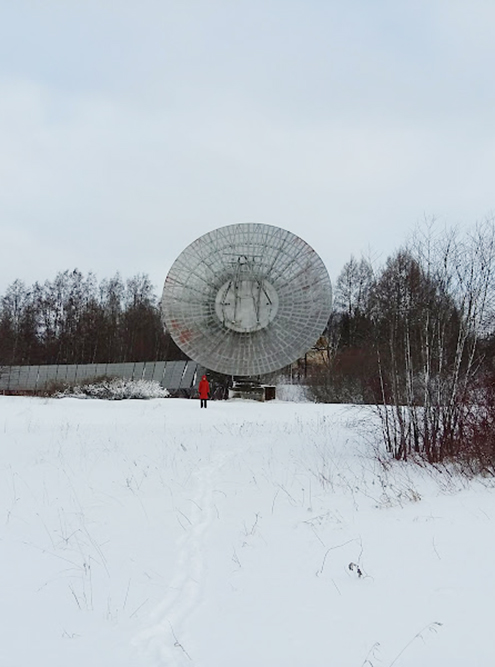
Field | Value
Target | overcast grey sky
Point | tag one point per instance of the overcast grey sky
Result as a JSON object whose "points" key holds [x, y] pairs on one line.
{"points": [[128, 128]]}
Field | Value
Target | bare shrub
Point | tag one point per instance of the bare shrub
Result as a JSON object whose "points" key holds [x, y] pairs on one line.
{"points": [[434, 305], [476, 446]]}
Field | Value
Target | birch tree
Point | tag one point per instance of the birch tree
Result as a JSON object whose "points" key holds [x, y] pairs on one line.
{"points": [[434, 304]]}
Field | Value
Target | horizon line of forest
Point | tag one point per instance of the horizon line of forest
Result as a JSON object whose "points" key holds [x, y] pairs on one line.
{"points": [[74, 319], [415, 337]]}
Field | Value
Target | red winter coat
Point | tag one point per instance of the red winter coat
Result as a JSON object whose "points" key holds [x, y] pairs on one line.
{"points": [[204, 388]]}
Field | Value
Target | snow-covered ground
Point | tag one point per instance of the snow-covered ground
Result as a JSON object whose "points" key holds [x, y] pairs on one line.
{"points": [[153, 533]]}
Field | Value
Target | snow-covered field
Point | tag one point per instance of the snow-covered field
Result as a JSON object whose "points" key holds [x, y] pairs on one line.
{"points": [[153, 533]]}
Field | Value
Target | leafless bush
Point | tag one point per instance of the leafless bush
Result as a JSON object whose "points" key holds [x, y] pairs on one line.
{"points": [[476, 444]]}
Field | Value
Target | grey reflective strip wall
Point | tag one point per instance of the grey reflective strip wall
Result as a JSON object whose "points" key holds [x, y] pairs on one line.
{"points": [[171, 374]]}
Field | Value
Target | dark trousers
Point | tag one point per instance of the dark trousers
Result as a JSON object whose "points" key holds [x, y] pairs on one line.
{"points": [[203, 402]]}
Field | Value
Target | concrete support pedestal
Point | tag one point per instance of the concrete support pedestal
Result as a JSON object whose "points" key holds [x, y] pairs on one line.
{"points": [[252, 390]]}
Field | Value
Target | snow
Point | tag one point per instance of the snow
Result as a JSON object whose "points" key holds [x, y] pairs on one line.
{"points": [[117, 389], [153, 533]]}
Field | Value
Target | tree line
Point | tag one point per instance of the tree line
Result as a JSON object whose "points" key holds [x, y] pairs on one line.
{"points": [[76, 319], [416, 338]]}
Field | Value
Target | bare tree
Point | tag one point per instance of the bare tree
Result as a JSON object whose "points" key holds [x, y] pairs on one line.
{"points": [[346, 358], [434, 303], [73, 319]]}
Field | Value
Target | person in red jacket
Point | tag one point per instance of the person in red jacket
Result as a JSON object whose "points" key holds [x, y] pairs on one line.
{"points": [[204, 390]]}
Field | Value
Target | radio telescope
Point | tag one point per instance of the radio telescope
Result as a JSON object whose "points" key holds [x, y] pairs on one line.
{"points": [[247, 299]]}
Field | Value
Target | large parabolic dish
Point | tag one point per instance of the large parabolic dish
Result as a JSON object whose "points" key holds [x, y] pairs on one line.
{"points": [[247, 299]]}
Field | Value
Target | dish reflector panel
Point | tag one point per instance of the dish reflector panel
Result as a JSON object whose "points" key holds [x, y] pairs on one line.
{"points": [[247, 299]]}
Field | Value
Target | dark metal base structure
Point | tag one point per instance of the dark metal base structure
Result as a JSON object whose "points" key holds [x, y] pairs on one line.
{"points": [[252, 390]]}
